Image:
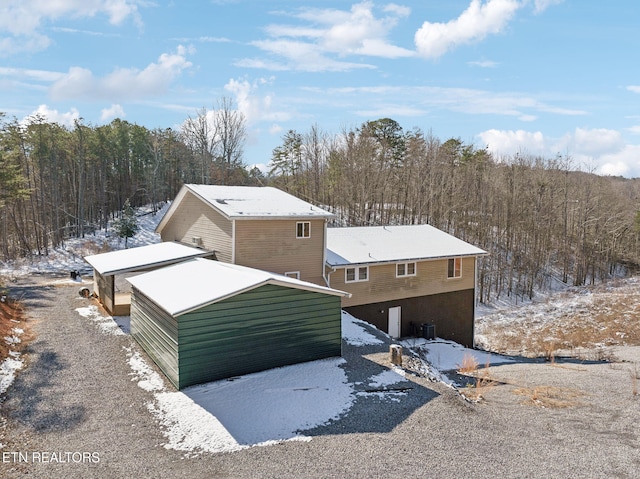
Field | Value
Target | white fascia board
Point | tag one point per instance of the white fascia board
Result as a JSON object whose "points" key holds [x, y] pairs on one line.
{"points": [[404, 260]]}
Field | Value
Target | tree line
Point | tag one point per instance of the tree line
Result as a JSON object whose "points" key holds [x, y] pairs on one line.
{"points": [[543, 221], [58, 182]]}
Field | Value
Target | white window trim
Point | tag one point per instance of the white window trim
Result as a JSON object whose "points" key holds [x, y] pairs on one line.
{"points": [[292, 274], [302, 223], [406, 265], [357, 274], [454, 268]]}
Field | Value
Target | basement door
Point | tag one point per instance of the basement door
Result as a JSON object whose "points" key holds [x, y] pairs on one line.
{"points": [[395, 322]]}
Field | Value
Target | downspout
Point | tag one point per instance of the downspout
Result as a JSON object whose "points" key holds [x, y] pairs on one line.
{"points": [[233, 241], [325, 276], [475, 301]]}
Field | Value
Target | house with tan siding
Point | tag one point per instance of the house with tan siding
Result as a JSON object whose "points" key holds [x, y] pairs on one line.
{"points": [[400, 277], [403, 277], [258, 227]]}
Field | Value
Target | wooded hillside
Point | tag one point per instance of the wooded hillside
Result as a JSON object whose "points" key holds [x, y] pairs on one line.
{"points": [[541, 220]]}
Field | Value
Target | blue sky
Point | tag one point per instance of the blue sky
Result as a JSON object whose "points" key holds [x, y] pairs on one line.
{"points": [[541, 77]]}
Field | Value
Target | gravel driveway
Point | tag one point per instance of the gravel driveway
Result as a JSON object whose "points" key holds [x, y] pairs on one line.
{"points": [[75, 401]]}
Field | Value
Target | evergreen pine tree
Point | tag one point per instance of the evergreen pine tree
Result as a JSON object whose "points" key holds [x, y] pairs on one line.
{"points": [[127, 225]]}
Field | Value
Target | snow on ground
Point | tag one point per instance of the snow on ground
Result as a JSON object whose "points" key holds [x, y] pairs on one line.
{"points": [[274, 406], [354, 334], [13, 362], [252, 410], [449, 356], [65, 259], [8, 370], [70, 256], [106, 323]]}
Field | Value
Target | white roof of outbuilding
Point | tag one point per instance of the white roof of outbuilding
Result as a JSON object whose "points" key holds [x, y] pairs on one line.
{"points": [[249, 202], [382, 244], [135, 259], [191, 285]]}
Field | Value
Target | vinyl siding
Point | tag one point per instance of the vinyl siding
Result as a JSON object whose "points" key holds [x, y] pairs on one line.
{"points": [[194, 218], [157, 332], [271, 245], [383, 285], [270, 326]]}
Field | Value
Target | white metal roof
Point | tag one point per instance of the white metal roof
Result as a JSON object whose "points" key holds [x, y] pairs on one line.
{"points": [[185, 287], [132, 259], [239, 202], [380, 244]]}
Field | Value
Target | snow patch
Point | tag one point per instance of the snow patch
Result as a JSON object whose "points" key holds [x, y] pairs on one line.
{"points": [[255, 410], [387, 378], [354, 332], [107, 324], [8, 370], [147, 378]]}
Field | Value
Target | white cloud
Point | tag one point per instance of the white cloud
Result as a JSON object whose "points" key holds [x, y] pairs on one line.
{"points": [[634, 129], [594, 142], [254, 106], [22, 20], [299, 56], [474, 24], [14, 45], [600, 150], [409, 100], [54, 116], [391, 111], [509, 142], [542, 5], [634, 88], [123, 83], [625, 162], [32, 75], [275, 129], [114, 111], [483, 64], [332, 32]]}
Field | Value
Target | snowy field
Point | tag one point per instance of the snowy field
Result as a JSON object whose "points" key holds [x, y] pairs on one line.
{"points": [[274, 406]]}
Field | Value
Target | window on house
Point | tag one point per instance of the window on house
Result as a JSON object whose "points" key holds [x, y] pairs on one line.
{"points": [[360, 273], [405, 269], [293, 274], [455, 268], [303, 229]]}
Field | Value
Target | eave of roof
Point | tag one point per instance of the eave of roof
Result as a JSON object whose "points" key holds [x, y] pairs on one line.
{"points": [[195, 284], [271, 203], [143, 257], [371, 245]]}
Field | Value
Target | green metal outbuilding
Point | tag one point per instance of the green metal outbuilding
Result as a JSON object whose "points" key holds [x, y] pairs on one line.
{"points": [[205, 320]]}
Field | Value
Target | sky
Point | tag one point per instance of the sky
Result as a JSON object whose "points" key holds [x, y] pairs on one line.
{"points": [[532, 77]]}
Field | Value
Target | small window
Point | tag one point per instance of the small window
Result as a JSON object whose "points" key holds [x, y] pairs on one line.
{"points": [[303, 229], [405, 269], [293, 274], [360, 273], [455, 268]]}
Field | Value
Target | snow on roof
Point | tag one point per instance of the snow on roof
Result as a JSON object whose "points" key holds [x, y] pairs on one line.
{"points": [[133, 259], [379, 244], [239, 202], [185, 287]]}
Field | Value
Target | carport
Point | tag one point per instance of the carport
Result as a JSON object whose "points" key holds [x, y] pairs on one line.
{"points": [[204, 320], [115, 295]]}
